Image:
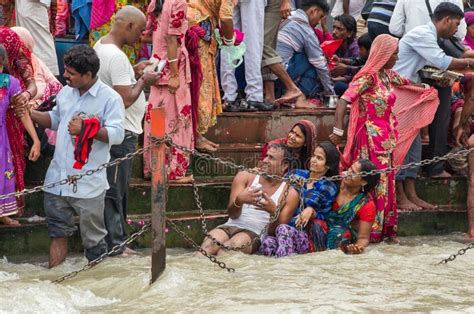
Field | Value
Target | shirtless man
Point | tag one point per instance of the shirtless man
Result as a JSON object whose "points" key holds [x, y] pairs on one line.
{"points": [[253, 199]]}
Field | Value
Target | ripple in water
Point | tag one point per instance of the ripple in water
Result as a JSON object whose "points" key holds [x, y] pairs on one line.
{"points": [[386, 278]]}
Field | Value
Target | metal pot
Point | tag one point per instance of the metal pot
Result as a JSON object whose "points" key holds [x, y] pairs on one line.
{"points": [[330, 101]]}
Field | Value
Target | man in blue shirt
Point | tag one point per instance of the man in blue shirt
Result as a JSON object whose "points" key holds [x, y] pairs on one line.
{"points": [[85, 96], [417, 49]]}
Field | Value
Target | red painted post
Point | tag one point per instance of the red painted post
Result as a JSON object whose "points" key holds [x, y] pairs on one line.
{"points": [[158, 196]]}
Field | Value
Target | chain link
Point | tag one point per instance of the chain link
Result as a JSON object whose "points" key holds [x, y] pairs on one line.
{"points": [[212, 258], [298, 181], [459, 253], [115, 250]]}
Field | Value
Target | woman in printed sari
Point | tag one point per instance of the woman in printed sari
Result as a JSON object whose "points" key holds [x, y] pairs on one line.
{"points": [[172, 90], [349, 223], [316, 199], [373, 131], [46, 83], [300, 140], [204, 16], [19, 65]]}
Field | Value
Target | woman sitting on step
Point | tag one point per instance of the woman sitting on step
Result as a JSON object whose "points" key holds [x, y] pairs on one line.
{"points": [[349, 223], [300, 140], [316, 199]]}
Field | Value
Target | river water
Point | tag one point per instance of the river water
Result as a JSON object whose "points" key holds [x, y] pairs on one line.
{"points": [[386, 278]]}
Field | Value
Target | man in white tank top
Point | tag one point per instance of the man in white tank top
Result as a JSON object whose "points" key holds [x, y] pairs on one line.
{"points": [[253, 199]]}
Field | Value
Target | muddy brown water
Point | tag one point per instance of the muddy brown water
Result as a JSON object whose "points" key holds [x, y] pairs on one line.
{"points": [[396, 278]]}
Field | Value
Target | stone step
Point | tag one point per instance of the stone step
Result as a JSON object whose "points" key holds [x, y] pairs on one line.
{"points": [[214, 193], [261, 127], [31, 239]]}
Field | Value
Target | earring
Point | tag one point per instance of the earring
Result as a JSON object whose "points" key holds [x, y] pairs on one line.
{"points": [[363, 189]]}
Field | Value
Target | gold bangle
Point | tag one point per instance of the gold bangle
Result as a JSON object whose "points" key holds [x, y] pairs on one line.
{"points": [[235, 204]]}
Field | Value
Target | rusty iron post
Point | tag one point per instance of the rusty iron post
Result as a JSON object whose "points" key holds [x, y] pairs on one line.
{"points": [[158, 196]]}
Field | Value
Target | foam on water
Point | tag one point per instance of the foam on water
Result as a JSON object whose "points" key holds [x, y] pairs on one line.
{"points": [[385, 278]]}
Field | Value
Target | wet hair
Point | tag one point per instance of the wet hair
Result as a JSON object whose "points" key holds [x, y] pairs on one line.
{"points": [[373, 179], [83, 59], [3, 52], [322, 4], [332, 158], [287, 155], [364, 41], [349, 23], [447, 9], [158, 7]]}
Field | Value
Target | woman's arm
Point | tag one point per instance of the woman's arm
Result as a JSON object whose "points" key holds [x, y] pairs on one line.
{"points": [[363, 237], [29, 127], [172, 50]]}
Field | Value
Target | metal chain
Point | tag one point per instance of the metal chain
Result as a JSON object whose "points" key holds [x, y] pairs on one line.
{"points": [[459, 253], [273, 218], [295, 180], [72, 180], [116, 249], [212, 258]]}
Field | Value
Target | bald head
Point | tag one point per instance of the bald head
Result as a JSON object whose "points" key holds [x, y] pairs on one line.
{"points": [[130, 22]]}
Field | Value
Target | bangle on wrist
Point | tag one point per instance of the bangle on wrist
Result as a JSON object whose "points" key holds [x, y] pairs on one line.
{"points": [[29, 93], [425, 85], [337, 131], [235, 203], [173, 60], [229, 42]]}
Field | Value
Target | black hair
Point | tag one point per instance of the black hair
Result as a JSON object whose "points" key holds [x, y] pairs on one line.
{"points": [[158, 7], [287, 155], [332, 158], [372, 179], [322, 4], [349, 23], [305, 156], [447, 9], [364, 41], [83, 59], [3, 52]]}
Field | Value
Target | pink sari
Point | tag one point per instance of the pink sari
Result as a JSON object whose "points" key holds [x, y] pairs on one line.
{"points": [[381, 126], [177, 106]]}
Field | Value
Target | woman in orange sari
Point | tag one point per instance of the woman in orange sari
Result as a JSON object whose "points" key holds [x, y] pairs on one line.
{"points": [[204, 16]]}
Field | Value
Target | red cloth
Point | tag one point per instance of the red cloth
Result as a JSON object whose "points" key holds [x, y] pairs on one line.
{"points": [[366, 213], [101, 12], [82, 148], [193, 37], [323, 36]]}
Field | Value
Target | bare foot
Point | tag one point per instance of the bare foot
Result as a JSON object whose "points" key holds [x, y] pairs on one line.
{"points": [[183, 180], [303, 103], [392, 240], [129, 252], [421, 203], [7, 221], [442, 175], [209, 142], [406, 204], [205, 147], [289, 96]]}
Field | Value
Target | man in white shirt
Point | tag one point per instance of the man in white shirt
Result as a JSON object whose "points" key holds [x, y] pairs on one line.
{"points": [[354, 8], [409, 14], [117, 72], [33, 15]]}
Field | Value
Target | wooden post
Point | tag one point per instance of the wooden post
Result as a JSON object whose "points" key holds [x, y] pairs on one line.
{"points": [[158, 196]]}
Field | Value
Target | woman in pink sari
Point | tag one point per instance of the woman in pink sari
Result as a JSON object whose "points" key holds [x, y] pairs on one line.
{"points": [[172, 90], [373, 128]]}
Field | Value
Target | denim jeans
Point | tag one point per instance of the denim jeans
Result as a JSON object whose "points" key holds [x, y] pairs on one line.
{"points": [[304, 75], [116, 198]]}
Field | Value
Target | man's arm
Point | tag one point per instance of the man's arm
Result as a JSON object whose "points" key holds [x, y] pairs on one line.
{"points": [[112, 130], [397, 21], [345, 6], [234, 208], [317, 59], [291, 203]]}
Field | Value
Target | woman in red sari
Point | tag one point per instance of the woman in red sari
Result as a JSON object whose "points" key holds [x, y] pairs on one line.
{"points": [[373, 128], [19, 65]]}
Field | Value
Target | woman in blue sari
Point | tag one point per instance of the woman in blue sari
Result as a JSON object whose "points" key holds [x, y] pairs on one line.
{"points": [[317, 197]]}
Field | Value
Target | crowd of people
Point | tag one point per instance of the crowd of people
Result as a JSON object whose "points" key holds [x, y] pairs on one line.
{"points": [[375, 60]]}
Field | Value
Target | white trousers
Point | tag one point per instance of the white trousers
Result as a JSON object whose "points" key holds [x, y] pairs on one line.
{"points": [[33, 15], [248, 18]]}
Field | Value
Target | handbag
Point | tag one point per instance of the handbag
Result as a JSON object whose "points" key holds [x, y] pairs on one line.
{"points": [[451, 46], [367, 8]]}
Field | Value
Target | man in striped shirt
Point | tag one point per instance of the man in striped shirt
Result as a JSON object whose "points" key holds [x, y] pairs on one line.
{"points": [[300, 51], [379, 17]]}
